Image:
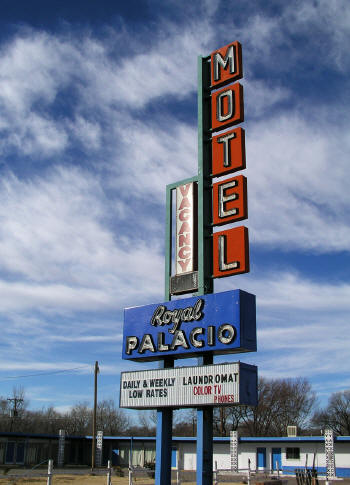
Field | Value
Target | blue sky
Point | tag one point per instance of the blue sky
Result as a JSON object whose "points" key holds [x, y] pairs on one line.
{"points": [[98, 114]]}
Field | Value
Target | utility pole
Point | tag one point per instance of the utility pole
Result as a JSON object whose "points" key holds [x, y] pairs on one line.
{"points": [[93, 445], [222, 421]]}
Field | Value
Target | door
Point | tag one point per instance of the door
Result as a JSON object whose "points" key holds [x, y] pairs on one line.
{"points": [[20, 452], [261, 457], [10, 452], [15, 452], [173, 457], [276, 459]]}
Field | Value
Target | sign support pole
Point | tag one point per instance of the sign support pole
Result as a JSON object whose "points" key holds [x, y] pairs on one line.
{"points": [[205, 437], [205, 251], [205, 280], [164, 437], [165, 415]]}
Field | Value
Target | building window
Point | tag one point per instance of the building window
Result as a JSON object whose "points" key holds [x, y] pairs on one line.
{"points": [[293, 453]]}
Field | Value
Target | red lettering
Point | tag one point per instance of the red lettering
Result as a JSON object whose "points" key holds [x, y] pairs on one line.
{"points": [[185, 203], [185, 214], [185, 228], [184, 264], [184, 252], [202, 390], [224, 399], [184, 189], [185, 240]]}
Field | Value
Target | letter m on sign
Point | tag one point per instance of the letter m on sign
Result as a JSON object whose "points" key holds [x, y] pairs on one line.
{"points": [[226, 65]]}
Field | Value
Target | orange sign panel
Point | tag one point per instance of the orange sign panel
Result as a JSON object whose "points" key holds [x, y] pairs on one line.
{"points": [[227, 107], [230, 200], [228, 152], [230, 252], [226, 65]]}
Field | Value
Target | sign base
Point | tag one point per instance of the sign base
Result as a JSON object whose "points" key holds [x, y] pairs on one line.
{"points": [[184, 283]]}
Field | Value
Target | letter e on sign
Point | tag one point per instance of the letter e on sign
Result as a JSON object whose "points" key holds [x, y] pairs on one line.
{"points": [[227, 107], [228, 152], [226, 65], [230, 252], [230, 200]]}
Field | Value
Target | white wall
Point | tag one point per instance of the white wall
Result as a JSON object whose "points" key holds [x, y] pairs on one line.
{"points": [[221, 454], [342, 456]]}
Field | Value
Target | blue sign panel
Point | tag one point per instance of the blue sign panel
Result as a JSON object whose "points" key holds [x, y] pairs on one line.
{"points": [[218, 323]]}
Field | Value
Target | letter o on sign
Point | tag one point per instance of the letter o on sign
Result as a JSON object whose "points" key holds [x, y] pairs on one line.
{"points": [[226, 333]]}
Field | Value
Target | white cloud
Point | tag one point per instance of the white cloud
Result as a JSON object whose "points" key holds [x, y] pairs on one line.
{"points": [[43, 367], [330, 20], [292, 293], [260, 98], [38, 70], [151, 155], [56, 242], [321, 28], [297, 184]]}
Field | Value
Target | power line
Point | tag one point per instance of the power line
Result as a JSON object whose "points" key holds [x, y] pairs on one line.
{"points": [[45, 373]]}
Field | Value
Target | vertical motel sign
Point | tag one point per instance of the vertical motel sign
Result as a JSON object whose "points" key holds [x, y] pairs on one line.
{"points": [[210, 201], [204, 248]]}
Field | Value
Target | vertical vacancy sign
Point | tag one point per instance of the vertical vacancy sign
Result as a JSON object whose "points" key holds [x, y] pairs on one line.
{"points": [[200, 246], [185, 278], [184, 229]]}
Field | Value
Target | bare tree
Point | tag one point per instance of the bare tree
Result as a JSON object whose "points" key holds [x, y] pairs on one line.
{"points": [[110, 420], [148, 422], [226, 419], [185, 422], [281, 402], [78, 420], [336, 415]]}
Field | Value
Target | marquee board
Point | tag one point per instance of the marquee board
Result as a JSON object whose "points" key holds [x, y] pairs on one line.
{"points": [[211, 385]]}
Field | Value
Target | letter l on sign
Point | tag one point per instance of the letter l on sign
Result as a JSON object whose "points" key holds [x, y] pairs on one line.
{"points": [[230, 252]]}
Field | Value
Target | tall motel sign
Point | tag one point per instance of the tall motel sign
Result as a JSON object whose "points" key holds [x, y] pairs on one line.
{"points": [[207, 323]]}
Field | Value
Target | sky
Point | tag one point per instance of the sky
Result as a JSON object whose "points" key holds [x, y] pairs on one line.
{"points": [[98, 106]]}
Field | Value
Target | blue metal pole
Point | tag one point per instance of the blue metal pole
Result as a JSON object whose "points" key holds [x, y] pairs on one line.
{"points": [[164, 438], [205, 437], [205, 446], [163, 444], [205, 414]]}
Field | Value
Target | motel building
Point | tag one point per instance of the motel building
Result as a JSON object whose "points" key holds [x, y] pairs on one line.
{"points": [[286, 454]]}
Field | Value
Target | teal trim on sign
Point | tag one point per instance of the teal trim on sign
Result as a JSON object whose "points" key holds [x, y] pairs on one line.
{"points": [[205, 256], [181, 182], [169, 233], [168, 245]]}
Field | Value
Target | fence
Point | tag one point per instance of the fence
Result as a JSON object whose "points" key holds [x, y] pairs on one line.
{"points": [[33, 473], [145, 476], [139, 475], [306, 477]]}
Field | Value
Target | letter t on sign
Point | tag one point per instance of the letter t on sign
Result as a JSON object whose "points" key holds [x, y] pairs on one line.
{"points": [[228, 152]]}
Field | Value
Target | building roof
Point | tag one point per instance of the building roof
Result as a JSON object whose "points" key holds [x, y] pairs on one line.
{"points": [[217, 439]]}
